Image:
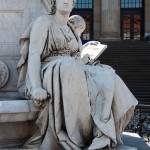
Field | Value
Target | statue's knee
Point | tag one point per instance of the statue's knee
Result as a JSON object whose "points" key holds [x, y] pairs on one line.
{"points": [[71, 66]]}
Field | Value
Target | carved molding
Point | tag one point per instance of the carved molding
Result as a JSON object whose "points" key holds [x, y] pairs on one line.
{"points": [[4, 74]]}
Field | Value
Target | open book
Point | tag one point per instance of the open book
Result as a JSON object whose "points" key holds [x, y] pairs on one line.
{"points": [[91, 51]]}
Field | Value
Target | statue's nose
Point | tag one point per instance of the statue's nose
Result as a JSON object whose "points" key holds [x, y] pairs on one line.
{"points": [[66, 1]]}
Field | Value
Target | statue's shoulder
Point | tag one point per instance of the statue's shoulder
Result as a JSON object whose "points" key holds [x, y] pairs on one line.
{"points": [[43, 18], [43, 21]]}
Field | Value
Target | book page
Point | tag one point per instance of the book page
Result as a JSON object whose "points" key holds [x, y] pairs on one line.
{"points": [[94, 49]]}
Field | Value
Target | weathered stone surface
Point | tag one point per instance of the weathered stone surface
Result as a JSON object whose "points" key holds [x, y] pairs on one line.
{"points": [[64, 79], [110, 20], [15, 16], [4, 74], [17, 110], [17, 122], [14, 134]]}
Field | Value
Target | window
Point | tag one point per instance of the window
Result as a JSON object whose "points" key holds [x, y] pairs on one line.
{"points": [[86, 4], [86, 34], [131, 3]]}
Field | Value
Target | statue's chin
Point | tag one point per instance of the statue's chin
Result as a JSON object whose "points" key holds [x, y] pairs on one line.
{"points": [[65, 12]]}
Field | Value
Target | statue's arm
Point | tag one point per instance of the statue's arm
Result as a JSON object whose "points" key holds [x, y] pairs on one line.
{"points": [[37, 42]]}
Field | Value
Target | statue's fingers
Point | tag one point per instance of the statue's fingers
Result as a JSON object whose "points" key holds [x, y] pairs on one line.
{"points": [[48, 95], [41, 96], [44, 95], [38, 96], [35, 97]]}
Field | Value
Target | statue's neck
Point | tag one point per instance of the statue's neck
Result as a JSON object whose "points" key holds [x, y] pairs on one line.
{"points": [[61, 19]]}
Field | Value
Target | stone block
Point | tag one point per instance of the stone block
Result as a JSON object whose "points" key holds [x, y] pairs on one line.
{"points": [[15, 17], [17, 110], [17, 122], [16, 133]]}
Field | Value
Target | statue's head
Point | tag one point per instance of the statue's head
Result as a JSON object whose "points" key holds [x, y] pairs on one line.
{"points": [[53, 4], [78, 23]]}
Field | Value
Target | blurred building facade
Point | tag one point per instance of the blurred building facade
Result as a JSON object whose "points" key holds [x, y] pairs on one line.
{"points": [[114, 20]]}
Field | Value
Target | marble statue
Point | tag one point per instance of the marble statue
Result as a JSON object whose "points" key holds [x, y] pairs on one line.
{"points": [[78, 23], [85, 106]]}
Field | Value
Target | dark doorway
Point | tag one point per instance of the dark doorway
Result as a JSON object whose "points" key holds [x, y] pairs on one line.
{"points": [[132, 19], [131, 26]]}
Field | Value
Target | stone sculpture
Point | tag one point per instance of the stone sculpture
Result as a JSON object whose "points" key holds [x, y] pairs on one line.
{"points": [[86, 107], [4, 74], [78, 23]]}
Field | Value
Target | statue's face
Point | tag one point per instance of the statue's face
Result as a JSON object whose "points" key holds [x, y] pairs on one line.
{"points": [[64, 6]]}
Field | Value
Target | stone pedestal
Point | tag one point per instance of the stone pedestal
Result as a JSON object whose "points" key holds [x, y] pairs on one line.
{"points": [[15, 17], [110, 19], [17, 122]]}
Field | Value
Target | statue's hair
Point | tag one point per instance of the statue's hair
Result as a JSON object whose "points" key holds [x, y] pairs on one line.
{"points": [[77, 22], [52, 5]]}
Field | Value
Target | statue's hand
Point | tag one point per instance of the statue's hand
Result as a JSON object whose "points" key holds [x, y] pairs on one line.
{"points": [[86, 59], [39, 94]]}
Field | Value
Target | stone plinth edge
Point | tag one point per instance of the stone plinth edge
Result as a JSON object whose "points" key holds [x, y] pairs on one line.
{"points": [[17, 110]]}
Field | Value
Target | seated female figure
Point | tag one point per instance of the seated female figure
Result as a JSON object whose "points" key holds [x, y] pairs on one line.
{"points": [[89, 106]]}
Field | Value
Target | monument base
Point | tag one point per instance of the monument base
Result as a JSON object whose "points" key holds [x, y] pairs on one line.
{"points": [[17, 124]]}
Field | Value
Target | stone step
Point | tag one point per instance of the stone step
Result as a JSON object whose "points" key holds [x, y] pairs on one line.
{"points": [[17, 122], [134, 140], [14, 134]]}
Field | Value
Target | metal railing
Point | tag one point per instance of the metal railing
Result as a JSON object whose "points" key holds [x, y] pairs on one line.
{"points": [[140, 122]]}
